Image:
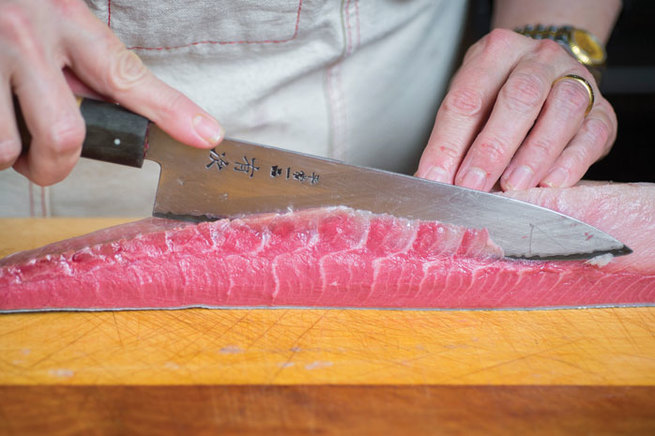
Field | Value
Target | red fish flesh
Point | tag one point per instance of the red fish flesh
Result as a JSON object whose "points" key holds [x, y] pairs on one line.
{"points": [[336, 257]]}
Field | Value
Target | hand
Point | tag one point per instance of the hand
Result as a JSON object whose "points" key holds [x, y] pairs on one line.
{"points": [[504, 118], [41, 38]]}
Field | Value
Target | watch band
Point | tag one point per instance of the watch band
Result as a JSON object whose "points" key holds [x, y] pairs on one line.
{"points": [[539, 31], [565, 37]]}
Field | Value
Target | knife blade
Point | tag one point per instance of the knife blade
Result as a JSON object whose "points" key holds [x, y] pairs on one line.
{"points": [[238, 178]]}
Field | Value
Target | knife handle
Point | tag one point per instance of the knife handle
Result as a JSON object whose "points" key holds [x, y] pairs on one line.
{"points": [[113, 133]]}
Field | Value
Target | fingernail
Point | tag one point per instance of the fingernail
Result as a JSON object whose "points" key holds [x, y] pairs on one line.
{"points": [[556, 178], [520, 178], [438, 174], [475, 178], [208, 129]]}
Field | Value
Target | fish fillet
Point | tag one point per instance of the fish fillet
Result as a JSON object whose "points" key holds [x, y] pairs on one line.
{"points": [[336, 257]]}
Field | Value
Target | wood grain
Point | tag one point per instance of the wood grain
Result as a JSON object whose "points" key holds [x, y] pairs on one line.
{"points": [[327, 410], [186, 347]]}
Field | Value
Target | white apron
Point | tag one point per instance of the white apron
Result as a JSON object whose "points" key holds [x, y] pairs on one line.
{"points": [[356, 80]]}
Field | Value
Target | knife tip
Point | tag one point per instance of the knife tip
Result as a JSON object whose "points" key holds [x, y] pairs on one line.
{"points": [[622, 251]]}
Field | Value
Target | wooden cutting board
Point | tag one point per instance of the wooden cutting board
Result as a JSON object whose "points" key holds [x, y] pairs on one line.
{"points": [[412, 348]]}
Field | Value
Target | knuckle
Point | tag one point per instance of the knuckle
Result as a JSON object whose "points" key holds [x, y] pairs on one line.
{"points": [[605, 108], [473, 51], [542, 147], [449, 151], [65, 137], [499, 38], [548, 49], [598, 131], [523, 91], [16, 27], [579, 157], [464, 101], [126, 71], [9, 152], [493, 150], [490, 44], [13, 17], [446, 156], [495, 42], [67, 6], [572, 96], [444, 153]]}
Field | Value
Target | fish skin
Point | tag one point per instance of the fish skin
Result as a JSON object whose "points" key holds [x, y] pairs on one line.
{"points": [[336, 257]]}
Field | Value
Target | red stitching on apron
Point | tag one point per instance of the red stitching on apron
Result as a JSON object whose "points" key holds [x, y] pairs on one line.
{"points": [[31, 198], [359, 39], [349, 38], [265, 41], [44, 212], [352, 43]]}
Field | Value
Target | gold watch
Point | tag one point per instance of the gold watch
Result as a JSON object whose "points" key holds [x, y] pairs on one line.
{"points": [[582, 45]]}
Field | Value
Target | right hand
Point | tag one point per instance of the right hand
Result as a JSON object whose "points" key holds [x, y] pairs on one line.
{"points": [[41, 43]]}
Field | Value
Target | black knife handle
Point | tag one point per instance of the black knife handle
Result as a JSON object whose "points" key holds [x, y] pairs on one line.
{"points": [[113, 133]]}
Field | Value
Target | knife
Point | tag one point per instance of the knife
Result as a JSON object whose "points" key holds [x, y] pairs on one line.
{"points": [[239, 178]]}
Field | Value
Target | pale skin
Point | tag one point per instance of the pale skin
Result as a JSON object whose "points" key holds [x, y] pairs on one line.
{"points": [[53, 49], [501, 120]]}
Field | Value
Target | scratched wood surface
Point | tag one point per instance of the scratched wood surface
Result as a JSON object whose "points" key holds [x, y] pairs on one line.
{"points": [[608, 347], [183, 347]]}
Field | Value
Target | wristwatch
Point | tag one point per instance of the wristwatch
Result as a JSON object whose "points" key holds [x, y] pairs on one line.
{"points": [[582, 45]]}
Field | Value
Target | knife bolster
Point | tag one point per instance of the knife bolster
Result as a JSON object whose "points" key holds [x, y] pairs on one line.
{"points": [[113, 133]]}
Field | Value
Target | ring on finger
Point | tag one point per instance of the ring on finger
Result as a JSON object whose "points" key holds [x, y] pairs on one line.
{"points": [[583, 82]]}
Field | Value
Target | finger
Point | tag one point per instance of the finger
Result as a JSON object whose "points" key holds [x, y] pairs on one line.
{"points": [[53, 120], [13, 34], [519, 102], [593, 141], [56, 127], [560, 118], [10, 146], [78, 87], [467, 104], [47, 104], [103, 63]]}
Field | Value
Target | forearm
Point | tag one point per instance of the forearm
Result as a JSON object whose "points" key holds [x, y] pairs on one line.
{"points": [[595, 16]]}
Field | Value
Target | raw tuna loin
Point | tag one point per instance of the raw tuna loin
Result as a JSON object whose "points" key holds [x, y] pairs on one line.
{"points": [[336, 257]]}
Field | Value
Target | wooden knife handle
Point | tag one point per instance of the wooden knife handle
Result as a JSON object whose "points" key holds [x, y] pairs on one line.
{"points": [[113, 133]]}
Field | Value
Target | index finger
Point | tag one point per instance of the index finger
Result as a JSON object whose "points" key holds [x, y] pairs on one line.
{"points": [[100, 60]]}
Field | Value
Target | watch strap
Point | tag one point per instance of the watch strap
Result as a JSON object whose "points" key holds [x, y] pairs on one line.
{"points": [[561, 35]]}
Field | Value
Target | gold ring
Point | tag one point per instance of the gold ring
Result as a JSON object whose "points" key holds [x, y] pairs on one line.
{"points": [[587, 85]]}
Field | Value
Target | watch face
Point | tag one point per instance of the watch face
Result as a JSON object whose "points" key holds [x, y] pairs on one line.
{"points": [[587, 48]]}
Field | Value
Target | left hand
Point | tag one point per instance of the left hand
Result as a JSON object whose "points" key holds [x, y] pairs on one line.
{"points": [[504, 119]]}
